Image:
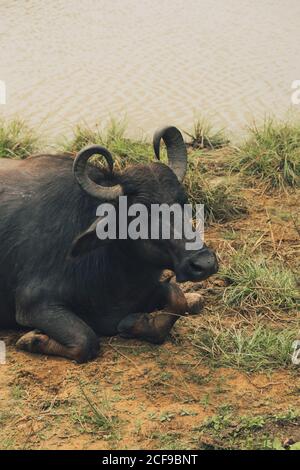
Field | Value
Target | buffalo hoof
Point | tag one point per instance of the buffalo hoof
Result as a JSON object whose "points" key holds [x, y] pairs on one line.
{"points": [[32, 341], [87, 348], [147, 327], [195, 303]]}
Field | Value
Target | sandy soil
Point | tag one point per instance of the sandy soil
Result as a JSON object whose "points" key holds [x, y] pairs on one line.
{"points": [[149, 395]]}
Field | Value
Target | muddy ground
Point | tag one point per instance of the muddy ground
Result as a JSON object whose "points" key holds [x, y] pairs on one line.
{"points": [[139, 396]]}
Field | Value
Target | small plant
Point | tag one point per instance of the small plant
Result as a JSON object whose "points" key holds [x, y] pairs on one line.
{"points": [[198, 379], [100, 415], [271, 153], [184, 412], [17, 140], [228, 431], [218, 422], [252, 422], [290, 416], [166, 417], [169, 441], [203, 135], [277, 445], [18, 392]]}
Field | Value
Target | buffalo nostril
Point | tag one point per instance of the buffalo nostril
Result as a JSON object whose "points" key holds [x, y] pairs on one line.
{"points": [[196, 268], [196, 265], [203, 265]]}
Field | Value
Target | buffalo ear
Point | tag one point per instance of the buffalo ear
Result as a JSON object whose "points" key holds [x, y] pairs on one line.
{"points": [[87, 241]]}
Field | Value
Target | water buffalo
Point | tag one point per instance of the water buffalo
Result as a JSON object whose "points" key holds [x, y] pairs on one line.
{"points": [[61, 281]]}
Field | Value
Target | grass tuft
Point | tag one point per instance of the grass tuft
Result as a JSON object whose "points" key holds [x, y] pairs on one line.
{"points": [[203, 135], [113, 137], [255, 283], [262, 348], [271, 153], [99, 416], [222, 201], [17, 140]]}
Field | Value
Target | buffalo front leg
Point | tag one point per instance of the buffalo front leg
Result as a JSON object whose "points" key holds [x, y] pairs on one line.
{"points": [[58, 332], [154, 327]]}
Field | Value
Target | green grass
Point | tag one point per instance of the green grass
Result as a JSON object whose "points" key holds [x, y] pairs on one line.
{"points": [[17, 140], [203, 135], [113, 137], [226, 430], [256, 283], [169, 441], [17, 392], [259, 349], [271, 153], [222, 202], [222, 199], [5, 416], [100, 416]]}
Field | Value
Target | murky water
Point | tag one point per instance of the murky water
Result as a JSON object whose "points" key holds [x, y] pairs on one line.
{"points": [[157, 61]]}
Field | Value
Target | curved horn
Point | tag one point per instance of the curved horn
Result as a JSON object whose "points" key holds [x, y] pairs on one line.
{"points": [[176, 149], [80, 168]]}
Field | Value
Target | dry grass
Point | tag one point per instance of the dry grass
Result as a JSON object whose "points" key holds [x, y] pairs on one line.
{"points": [[253, 282], [271, 153], [247, 347], [204, 136], [17, 140], [126, 151]]}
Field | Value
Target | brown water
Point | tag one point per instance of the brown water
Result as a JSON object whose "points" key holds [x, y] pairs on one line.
{"points": [[156, 61]]}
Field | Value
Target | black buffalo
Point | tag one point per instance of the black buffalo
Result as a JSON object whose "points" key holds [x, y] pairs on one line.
{"points": [[60, 280]]}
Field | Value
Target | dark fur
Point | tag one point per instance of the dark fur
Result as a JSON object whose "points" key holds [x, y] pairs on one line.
{"points": [[42, 212]]}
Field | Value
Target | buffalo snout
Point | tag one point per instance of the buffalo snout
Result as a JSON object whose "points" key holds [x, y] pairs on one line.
{"points": [[197, 266]]}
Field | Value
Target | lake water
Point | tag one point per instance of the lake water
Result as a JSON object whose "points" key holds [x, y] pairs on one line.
{"points": [[155, 61]]}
